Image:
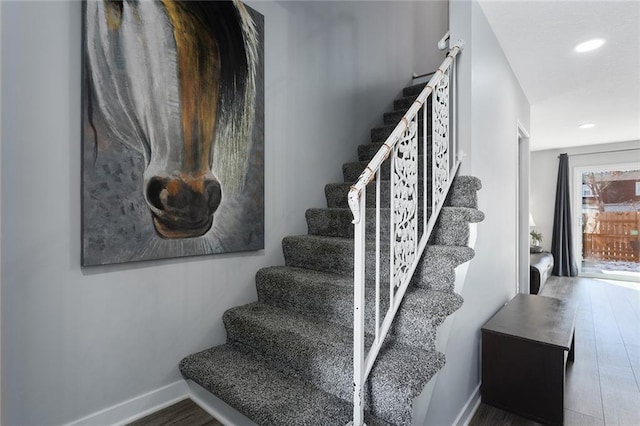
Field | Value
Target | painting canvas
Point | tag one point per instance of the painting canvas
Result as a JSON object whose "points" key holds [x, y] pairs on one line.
{"points": [[172, 130]]}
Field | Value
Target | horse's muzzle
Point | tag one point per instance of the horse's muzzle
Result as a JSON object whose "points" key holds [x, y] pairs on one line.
{"points": [[182, 207]]}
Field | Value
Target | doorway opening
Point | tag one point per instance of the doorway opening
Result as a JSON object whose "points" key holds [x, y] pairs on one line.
{"points": [[608, 225], [522, 209]]}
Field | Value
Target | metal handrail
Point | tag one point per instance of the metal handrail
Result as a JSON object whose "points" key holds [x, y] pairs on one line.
{"points": [[404, 242], [443, 43]]}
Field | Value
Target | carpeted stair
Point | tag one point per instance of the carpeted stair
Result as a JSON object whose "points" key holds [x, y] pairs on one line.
{"points": [[288, 357]]}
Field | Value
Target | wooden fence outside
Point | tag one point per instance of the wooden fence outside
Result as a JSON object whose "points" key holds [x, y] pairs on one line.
{"points": [[611, 236]]}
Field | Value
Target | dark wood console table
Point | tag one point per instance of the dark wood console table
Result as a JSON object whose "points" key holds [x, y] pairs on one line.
{"points": [[525, 347]]}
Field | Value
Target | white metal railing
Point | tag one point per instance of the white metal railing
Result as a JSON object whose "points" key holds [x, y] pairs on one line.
{"points": [[410, 222]]}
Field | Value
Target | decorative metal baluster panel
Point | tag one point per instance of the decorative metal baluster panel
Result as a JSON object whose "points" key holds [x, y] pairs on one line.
{"points": [[441, 138], [405, 193]]}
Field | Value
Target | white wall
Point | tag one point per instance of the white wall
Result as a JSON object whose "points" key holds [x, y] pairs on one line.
{"points": [[431, 22], [544, 176], [77, 340], [489, 116]]}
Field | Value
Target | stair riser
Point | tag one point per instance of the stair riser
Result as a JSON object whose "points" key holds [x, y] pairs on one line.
{"points": [[351, 171], [436, 269], [404, 103], [338, 259], [451, 233], [367, 151], [437, 277], [380, 134], [394, 117], [336, 195], [414, 90], [328, 372], [338, 223], [464, 192], [327, 363], [332, 257], [404, 331], [335, 304]]}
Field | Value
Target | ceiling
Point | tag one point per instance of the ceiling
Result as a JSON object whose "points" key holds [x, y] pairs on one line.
{"points": [[566, 88]]}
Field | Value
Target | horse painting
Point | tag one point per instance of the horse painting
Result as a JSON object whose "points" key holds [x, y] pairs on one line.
{"points": [[172, 124]]}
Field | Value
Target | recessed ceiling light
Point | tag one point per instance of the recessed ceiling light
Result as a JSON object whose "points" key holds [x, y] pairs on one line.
{"points": [[589, 45], [586, 126]]}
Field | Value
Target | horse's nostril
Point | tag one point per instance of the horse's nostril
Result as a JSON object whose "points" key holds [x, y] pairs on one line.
{"points": [[154, 189], [213, 194]]}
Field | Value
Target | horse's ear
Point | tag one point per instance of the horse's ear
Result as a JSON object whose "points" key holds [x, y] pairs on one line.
{"points": [[113, 13]]}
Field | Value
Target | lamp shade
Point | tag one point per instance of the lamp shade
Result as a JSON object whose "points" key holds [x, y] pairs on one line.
{"points": [[531, 222]]}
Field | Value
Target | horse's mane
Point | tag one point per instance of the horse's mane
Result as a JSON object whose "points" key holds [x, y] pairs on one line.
{"points": [[232, 27]]}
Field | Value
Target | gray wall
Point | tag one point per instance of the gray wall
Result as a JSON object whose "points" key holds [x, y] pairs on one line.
{"points": [[74, 340], [0, 238], [488, 123], [431, 22], [544, 174]]}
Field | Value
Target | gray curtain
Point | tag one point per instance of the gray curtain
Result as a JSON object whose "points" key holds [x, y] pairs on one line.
{"points": [[564, 263]]}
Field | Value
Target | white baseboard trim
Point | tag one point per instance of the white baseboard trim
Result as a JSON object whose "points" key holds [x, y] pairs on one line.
{"points": [[137, 407], [216, 407], [469, 409], [150, 402]]}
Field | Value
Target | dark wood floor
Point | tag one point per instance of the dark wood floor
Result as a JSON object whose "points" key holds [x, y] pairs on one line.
{"points": [[183, 413], [603, 384]]}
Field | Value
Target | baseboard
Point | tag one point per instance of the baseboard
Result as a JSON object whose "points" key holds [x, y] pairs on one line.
{"points": [[138, 407], [469, 409], [216, 407]]}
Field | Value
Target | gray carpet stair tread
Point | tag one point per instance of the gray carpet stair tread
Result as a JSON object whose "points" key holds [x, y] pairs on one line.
{"points": [[262, 393], [321, 352]]}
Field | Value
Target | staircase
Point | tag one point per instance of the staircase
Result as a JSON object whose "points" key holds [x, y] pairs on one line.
{"points": [[288, 359]]}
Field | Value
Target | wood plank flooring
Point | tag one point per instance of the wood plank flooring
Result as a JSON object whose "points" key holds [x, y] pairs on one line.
{"points": [[183, 413], [603, 384]]}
